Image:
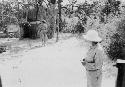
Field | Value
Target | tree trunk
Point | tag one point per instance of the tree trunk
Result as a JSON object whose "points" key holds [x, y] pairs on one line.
{"points": [[52, 23], [18, 10], [2, 10], [59, 28]]}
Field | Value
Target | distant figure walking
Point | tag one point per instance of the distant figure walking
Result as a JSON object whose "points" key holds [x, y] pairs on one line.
{"points": [[94, 60], [42, 32]]}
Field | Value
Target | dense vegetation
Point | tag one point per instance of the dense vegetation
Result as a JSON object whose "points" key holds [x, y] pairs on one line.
{"points": [[116, 48], [105, 16]]}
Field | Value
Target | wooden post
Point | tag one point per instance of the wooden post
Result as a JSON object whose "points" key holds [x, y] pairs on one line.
{"points": [[52, 19], [120, 82]]}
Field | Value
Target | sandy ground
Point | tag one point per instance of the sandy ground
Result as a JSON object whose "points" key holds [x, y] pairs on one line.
{"points": [[55, 65]]}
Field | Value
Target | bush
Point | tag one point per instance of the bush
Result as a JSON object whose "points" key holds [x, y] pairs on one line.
{"points": [[117, 46], [2, 49], [79, 28]]}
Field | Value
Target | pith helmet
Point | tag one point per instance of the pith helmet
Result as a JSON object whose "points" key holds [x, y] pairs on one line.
{"points": [[92, 35]]}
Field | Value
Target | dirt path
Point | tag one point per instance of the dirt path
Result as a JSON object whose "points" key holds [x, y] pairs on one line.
{"points": [[56, 65]]}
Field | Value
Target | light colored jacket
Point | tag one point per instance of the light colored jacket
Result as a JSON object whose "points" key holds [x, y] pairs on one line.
{"points": [[94, 59]]}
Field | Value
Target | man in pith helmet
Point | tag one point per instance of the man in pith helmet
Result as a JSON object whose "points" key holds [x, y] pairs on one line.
{"points": [[94, 60]]}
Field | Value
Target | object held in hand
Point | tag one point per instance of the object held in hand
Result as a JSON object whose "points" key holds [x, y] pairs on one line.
{"points": [[83, 62], [120, 61]]}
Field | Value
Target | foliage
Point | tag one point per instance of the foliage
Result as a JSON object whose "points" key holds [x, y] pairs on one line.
{"points": [[117, 45], [86, 9], [70, 24], [91, 15], [69, 8], [105, 18], [111, 6], [79, 28]]}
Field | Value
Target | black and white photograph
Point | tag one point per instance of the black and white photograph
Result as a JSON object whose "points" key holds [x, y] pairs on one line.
{"points": [[62, 43]]}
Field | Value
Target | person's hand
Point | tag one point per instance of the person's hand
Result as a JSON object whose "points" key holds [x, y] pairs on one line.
{"points": [[83, 62]]}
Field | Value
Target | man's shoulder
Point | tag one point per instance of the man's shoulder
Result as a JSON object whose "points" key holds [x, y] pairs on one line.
{"points": [[99, 51]]}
